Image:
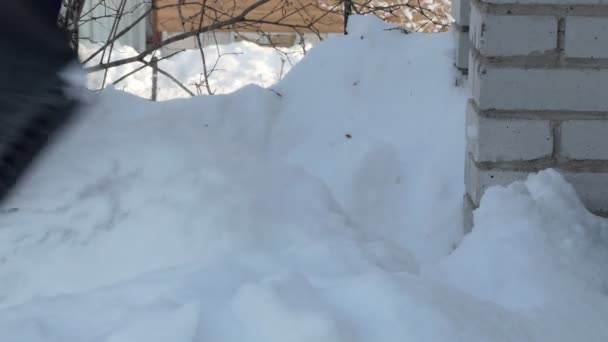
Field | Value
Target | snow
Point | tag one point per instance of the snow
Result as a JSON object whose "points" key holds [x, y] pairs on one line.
{"points": [[231, 67], [326, 208], [536, 250]]}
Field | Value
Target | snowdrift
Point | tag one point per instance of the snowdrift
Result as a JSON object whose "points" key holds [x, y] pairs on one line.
{"points": [[326, 208]]}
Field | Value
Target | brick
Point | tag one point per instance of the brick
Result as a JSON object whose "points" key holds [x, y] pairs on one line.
{"points": [[467, 214], [493, 139], [463, 47], [461, 11], [512, 35], [477, 181], [538, 89], [586, 37], [592, 189], [473, 74], [585, 139], [508, 84]]}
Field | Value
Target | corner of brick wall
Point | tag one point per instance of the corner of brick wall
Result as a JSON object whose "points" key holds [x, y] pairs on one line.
{"points": [[461, 12], [539, 80]]}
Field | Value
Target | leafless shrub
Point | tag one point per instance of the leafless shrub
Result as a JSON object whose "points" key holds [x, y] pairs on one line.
{"points": [[190, 19]]}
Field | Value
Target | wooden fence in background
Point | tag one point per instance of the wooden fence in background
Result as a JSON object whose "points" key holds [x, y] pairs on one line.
{"points": [[276, 16]]}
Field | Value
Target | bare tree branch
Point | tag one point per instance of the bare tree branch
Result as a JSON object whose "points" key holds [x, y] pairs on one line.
{"points": [[262, 18], [140, 57], [125, 76]]}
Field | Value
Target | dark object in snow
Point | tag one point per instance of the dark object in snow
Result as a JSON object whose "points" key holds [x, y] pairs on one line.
{"points": [[398, 28], [275, 92], [33, 101]]}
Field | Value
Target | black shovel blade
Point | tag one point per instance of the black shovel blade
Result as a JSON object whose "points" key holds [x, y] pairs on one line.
{"points": [[34, 104]]}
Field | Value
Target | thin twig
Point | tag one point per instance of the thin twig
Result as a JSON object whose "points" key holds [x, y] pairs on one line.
{"points": [[123, 77], [169, 76], [202, 51], [121, 8]]}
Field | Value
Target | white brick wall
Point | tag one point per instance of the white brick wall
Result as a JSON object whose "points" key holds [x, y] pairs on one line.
{"points": [[516, 88], [592, 188], [585, 139], [513, 35], [538, 72], [461, 10], [477, 180], [587, 37], [463, 47], [493, 140]]}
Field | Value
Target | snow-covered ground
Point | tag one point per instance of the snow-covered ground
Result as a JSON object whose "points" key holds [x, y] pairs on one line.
{"points": [[326, 208], [230, 68]]}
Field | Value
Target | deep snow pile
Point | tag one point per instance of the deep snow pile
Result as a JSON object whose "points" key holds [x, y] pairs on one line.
{"points": [[231, 67], [325, 209]]}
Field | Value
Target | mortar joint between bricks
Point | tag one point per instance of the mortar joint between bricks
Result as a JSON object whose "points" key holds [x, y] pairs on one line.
{"points": [[536, 165], [552, 59], [460, 28], [533, 165], [541, 114], [561, 35], [556, 132]]}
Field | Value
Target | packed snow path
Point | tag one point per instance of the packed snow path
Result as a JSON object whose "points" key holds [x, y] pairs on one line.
{"points": [[325, 209]]}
